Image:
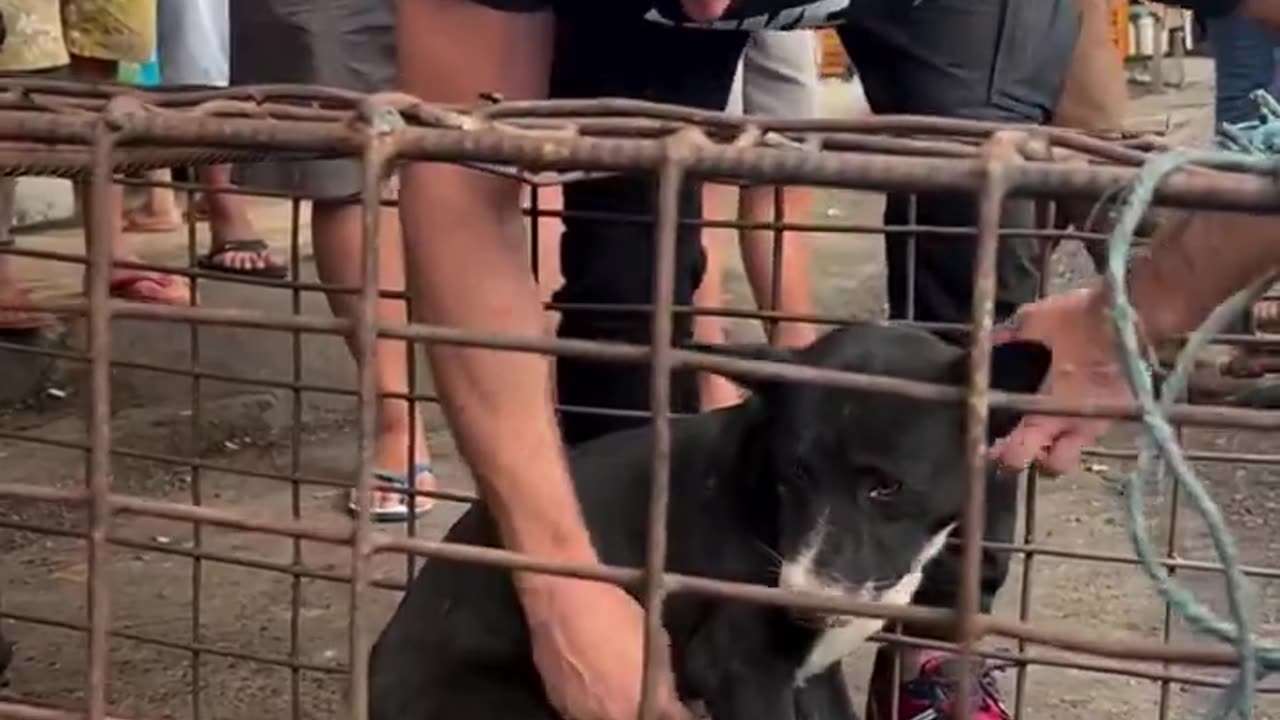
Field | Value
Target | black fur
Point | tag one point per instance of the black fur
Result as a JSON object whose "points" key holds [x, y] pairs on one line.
{"points": [[748, 485]]}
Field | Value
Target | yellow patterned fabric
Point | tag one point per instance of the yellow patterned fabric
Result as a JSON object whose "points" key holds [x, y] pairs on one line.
{"points": [[43, 34]]}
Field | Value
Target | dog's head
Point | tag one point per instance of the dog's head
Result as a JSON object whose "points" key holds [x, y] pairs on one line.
{"points": [[869, 484]]}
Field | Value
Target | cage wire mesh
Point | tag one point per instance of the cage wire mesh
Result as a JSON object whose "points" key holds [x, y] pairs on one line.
{"points": [[193, 573]]}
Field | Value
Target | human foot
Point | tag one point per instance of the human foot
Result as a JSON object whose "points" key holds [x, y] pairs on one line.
{"points": [[243, 257], [145, 220], [391, 458], [150, 287]]}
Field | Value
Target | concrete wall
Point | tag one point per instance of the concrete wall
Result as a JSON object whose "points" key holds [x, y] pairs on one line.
{"points": [[41, 200]]}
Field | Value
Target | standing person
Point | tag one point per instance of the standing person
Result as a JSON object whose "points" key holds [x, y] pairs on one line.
{"points": [[159, 209], [194, 42], [1095, 97], [348, 44], [87, 39], [777, 78], [986, 59], [1244, 61]]}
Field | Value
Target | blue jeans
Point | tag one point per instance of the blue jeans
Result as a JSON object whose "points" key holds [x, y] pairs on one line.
{"points": [[1244, 58], [1244, 61]]}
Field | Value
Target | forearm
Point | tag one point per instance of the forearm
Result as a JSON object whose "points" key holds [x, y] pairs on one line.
{"points": [[471, 272], [1195, 263]]}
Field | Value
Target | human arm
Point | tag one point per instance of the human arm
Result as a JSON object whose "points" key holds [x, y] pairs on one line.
{"points": [[1194, 264], [469, 269]]}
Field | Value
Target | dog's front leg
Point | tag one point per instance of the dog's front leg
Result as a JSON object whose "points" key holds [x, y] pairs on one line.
{"points": [[825, 697], [754, 696]]}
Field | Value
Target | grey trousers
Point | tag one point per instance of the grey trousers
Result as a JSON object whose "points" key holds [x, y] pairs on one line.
{"points": [[347, 44]]}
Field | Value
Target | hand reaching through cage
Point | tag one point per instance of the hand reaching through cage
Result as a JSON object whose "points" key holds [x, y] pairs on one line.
{"points": [[1084, 367], [1194, 264], [588, 644]]}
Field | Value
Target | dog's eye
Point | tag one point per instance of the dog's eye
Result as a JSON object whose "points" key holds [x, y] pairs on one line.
{"points": [[883, 488]]}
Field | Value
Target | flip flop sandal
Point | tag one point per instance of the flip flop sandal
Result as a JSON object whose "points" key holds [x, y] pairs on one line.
{"points": [[271, 269], [156, 289], [399, 512]]}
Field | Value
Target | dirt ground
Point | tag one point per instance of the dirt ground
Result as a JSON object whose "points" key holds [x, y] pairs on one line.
{"points": [[244, 613], [239, 616]]}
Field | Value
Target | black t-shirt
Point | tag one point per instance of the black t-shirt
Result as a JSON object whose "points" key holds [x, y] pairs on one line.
{"points": [[762, 14]]}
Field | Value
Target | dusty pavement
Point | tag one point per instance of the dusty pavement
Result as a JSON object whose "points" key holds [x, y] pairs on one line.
{"points": [[240, 615]]}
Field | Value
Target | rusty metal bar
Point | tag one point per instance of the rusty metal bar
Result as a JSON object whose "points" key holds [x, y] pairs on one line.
{"points": [[997, 153], [99, 239], [78, 129], [621, 352], [555, 149], [378, 152], [341, 534], [664, 229]]}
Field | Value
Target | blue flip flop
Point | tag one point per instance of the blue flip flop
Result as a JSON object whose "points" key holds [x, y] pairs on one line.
{"points": [[400, 484]]}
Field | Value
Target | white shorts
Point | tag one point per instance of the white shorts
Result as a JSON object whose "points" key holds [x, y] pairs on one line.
{"points": [[193, 42], [778, 75]]}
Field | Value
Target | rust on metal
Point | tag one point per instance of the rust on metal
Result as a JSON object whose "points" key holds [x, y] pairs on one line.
{"points": [[92, 133]]}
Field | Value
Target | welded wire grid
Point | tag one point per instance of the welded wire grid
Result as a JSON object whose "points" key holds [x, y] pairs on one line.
{"points": [[55, 128]]}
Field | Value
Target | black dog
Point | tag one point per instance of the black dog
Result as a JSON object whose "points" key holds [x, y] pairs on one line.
{"points": [[804, 487]]}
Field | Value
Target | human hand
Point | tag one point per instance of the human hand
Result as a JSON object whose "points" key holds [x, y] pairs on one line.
{"points": [[1075, 328], [588, 644]]}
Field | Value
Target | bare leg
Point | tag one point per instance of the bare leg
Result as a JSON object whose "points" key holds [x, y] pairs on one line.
{"points": [[714, 391], [159, 213], [11, 290], [127, 283], [336, 236], [228, 212], [795, 293], [229, 224]]}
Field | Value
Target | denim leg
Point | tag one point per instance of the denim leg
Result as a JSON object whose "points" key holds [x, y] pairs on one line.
{"points": [[1244, 61]]}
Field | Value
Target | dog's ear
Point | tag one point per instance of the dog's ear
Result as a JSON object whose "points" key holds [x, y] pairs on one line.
{"points": [[1016, 367], [755, 351]]}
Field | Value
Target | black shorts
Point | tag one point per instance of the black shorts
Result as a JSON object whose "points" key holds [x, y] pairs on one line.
{"points": [[986, 59]]}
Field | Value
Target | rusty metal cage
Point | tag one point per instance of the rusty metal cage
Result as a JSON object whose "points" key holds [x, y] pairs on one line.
{"points": [[241, 663]]}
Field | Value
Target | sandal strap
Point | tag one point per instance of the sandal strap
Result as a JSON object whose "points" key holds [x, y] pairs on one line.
{"points": [[246, 245], [398, 480]]}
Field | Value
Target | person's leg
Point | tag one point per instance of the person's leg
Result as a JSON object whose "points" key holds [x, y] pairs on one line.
{"points": [[98, 37], [714, 391], [283, 41], [611, 263], [11, 289], [336, 234], [719, 203], [985, 59], [1244, 61], [779, 79], [194, 50], [128, 284], [1095, 97], [159, 211]]}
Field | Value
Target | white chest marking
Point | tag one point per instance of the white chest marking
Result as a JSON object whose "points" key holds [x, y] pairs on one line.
{"points": [[845, 633]]}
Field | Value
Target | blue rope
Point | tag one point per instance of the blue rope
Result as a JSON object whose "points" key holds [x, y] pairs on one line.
{"points": [[1251, 147]]}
